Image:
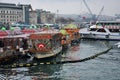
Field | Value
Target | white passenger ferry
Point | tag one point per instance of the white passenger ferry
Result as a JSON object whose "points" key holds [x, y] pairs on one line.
{"points": [[104, 30]]}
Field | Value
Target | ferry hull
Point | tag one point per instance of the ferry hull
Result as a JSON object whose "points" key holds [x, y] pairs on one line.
{"points": [[85, 34], [100, 37]]}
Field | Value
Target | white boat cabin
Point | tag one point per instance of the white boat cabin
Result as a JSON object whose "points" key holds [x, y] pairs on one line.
{"points": [[112, 26]]}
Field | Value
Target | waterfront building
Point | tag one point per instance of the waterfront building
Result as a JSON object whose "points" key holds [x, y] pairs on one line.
{"points": [[10, 13], [33, 17], [40, 16]]}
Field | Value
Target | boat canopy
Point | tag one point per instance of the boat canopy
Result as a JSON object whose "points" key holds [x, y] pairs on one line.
{"points": [[26, 31], [63, 32], [33, 26], [3, 33], [3, 28], [70, 26], [96, 26], [40, 36]]}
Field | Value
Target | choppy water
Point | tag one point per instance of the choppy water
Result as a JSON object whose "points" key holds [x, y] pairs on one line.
{"points": [[104, 67]]}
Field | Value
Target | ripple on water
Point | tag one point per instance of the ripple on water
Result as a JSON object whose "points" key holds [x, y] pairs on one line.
{"points": [[104, 67]]}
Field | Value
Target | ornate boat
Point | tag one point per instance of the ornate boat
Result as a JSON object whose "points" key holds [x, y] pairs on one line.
{"points": [[45, 44], [10, 46], [73, 32]]}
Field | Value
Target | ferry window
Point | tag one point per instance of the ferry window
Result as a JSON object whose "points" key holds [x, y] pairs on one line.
{"points": [[114, 30], [101, 30], [92, 29]]}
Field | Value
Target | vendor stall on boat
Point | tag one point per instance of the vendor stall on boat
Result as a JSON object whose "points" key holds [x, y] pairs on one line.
{"points": [[73, 31], [10, 46], [65, 41], [45, 44]]}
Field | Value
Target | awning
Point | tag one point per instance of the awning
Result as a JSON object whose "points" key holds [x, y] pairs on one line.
{"points": [[70, 26]]}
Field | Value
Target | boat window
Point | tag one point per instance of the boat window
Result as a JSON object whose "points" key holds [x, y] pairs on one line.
{"points": [[101, 30], [21, 42], [25, 44], [30, 43], [8, 43], [114, 30], [15, 43], [1, 43], [92, 29]]}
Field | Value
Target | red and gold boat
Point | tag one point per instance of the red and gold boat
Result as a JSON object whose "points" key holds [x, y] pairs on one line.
{"points": [[45, 44]]}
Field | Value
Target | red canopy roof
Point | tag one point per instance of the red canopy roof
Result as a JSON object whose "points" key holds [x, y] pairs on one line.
{"points": [[28, 31], [3, 33]]}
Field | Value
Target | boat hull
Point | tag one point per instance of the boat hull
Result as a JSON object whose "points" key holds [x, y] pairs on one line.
{"points": [[7, 56], [41, 55], [98, 37], [85, 34]]}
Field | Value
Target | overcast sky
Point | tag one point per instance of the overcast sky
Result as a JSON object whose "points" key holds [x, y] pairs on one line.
{"points": [[111, 7]]}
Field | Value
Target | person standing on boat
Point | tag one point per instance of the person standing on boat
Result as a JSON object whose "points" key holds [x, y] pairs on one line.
{"points": [[25, 44], [1, 45]]}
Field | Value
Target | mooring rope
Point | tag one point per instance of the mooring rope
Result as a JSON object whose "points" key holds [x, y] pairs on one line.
{"points": [[15, 65]]}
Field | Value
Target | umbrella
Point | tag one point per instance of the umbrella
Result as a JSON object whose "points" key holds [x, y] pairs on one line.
{"points": [[64, 32], [3, 28], [47, 26], [33, 26], [12, 28], [73, 26]]}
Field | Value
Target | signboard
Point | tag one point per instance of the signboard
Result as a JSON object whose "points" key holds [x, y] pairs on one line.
{"points": [[43, 36]]}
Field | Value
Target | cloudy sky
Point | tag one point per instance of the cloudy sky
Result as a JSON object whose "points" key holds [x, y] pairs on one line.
{"points": [[111, 7]]}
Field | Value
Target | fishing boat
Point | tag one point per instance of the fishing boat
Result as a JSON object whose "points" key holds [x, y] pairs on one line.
{"points": [[102, 31], [45, 44]]}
